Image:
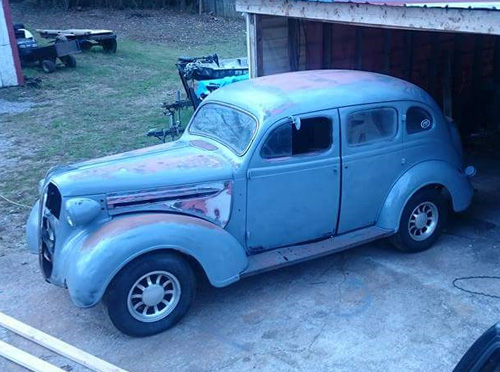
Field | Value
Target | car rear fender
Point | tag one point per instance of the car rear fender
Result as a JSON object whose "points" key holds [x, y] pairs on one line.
{"points": [[422, 175], [102, 254]]}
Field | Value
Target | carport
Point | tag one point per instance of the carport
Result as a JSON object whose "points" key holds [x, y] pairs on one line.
{"points": [[451, 49]]}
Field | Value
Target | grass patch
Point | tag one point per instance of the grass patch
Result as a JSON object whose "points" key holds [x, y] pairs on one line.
{"points": [[104, 106]]}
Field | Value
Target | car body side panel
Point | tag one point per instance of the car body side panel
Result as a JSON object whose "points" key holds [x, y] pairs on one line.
{"points": [[100, 255], [421, 175], [368, 171]]}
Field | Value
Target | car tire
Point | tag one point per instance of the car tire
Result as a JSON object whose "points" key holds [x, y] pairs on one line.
{"points": [[135, 290], [422, 221], [85, 45], [69, 61], [48, 66], [109, 46]]}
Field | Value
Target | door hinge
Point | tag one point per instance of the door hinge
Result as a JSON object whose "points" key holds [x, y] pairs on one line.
{"points": [[247, 234]]}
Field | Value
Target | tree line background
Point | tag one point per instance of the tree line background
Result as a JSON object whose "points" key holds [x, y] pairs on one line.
{"points": [[224, 8]]}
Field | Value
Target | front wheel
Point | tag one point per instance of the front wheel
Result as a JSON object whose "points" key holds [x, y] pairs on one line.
{"points": [[151, 294], [48, 66], [421, 222]]}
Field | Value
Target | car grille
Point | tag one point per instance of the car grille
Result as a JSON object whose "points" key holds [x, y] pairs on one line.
{"points": [[50, 213]]}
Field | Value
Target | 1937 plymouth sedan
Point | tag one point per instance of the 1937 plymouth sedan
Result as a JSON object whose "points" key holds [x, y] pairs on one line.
{"points": [[269, 172]]}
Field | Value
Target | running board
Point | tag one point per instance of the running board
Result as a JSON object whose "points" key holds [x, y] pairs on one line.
{"points": [[281, 257]]}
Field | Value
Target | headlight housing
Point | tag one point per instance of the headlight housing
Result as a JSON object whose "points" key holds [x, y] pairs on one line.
{"points": [[80, 211]]}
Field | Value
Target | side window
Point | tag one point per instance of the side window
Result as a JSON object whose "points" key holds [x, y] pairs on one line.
{"points": [[315, 135], [417, 120], [368, 126]]}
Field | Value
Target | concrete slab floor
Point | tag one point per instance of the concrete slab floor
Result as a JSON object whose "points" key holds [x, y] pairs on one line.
{"points": [[369, 309]]}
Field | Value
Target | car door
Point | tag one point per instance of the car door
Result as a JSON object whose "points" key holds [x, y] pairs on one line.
{"points": [[294, 182], [372, 160]]}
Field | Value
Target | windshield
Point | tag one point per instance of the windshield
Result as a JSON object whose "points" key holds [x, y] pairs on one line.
{"points": [[231, 127]]}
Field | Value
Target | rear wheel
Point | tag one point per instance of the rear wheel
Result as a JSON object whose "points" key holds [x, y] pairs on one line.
{"points": [[421, 222], [48, 66], [109, 46], [151, 294]]}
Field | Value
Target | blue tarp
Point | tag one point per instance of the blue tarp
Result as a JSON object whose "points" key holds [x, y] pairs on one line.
{"points": [[202, 84]]}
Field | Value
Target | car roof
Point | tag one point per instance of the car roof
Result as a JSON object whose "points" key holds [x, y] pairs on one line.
{"points": [[281, 95]]}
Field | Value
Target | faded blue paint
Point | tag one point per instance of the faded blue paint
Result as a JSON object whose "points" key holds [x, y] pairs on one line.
{"points": [[221, 208], [432, 172], [96, 257]]}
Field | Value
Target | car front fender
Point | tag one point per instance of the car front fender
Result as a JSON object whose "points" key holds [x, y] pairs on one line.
{"points": [[100, 255], [425, 174]]}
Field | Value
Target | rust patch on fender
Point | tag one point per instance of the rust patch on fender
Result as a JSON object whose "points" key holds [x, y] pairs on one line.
{"points": [[118, 226]]}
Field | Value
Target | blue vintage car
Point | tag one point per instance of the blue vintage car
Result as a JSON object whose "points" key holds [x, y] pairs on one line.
{"points": [[270, 172]]}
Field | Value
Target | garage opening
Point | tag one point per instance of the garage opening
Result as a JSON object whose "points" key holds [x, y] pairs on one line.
{"points": [[461, 71]]}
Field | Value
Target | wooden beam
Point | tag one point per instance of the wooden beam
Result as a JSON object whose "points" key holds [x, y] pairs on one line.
{"points": [[327, 45], [387, 51], [62, 348], [359, 48], [447, 86], [409, 37], [413, 18], [433, 66], [26, 360], [251, 45], [496, 61], [293, 44]]}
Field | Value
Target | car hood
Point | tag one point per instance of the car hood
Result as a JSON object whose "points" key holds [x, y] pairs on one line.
{"points": [[170, 164]]}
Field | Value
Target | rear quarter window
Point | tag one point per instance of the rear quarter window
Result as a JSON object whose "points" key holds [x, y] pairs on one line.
{"points": [[418, 120], [370, 126]]}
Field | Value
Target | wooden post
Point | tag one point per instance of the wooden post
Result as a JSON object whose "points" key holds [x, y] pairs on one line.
{"points": [[409, 50], [496, 61], [447, 86], [251, 45], [433, 66], [457, 77], [327, 45], [293, 44], [477, 66], [387, 50], [359, 48]]}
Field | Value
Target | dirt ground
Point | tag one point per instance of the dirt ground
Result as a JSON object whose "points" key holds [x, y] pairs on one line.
{"points": [[368, 309]]}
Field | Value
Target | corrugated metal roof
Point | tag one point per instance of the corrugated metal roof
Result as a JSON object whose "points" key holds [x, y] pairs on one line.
{"points": [[494, 5]]}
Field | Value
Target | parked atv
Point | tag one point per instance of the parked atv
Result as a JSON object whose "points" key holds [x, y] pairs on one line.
{"points": [[31, 54]]}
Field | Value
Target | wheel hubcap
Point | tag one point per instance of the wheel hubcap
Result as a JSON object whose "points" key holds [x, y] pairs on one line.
{"points": [[423, 221], [154, 296]]}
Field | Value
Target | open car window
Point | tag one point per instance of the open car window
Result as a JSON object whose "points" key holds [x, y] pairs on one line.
{"points": [[229, 126], [314, 135]]}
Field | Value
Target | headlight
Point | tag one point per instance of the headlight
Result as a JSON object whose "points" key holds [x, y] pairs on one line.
{"points": [[80, 211]]}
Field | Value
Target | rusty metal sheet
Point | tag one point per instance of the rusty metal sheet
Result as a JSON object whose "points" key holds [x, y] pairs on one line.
{"points": [[210, 201]]}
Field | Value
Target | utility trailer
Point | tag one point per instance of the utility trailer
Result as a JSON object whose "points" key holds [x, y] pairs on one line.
{"points": [[86, 38]]}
